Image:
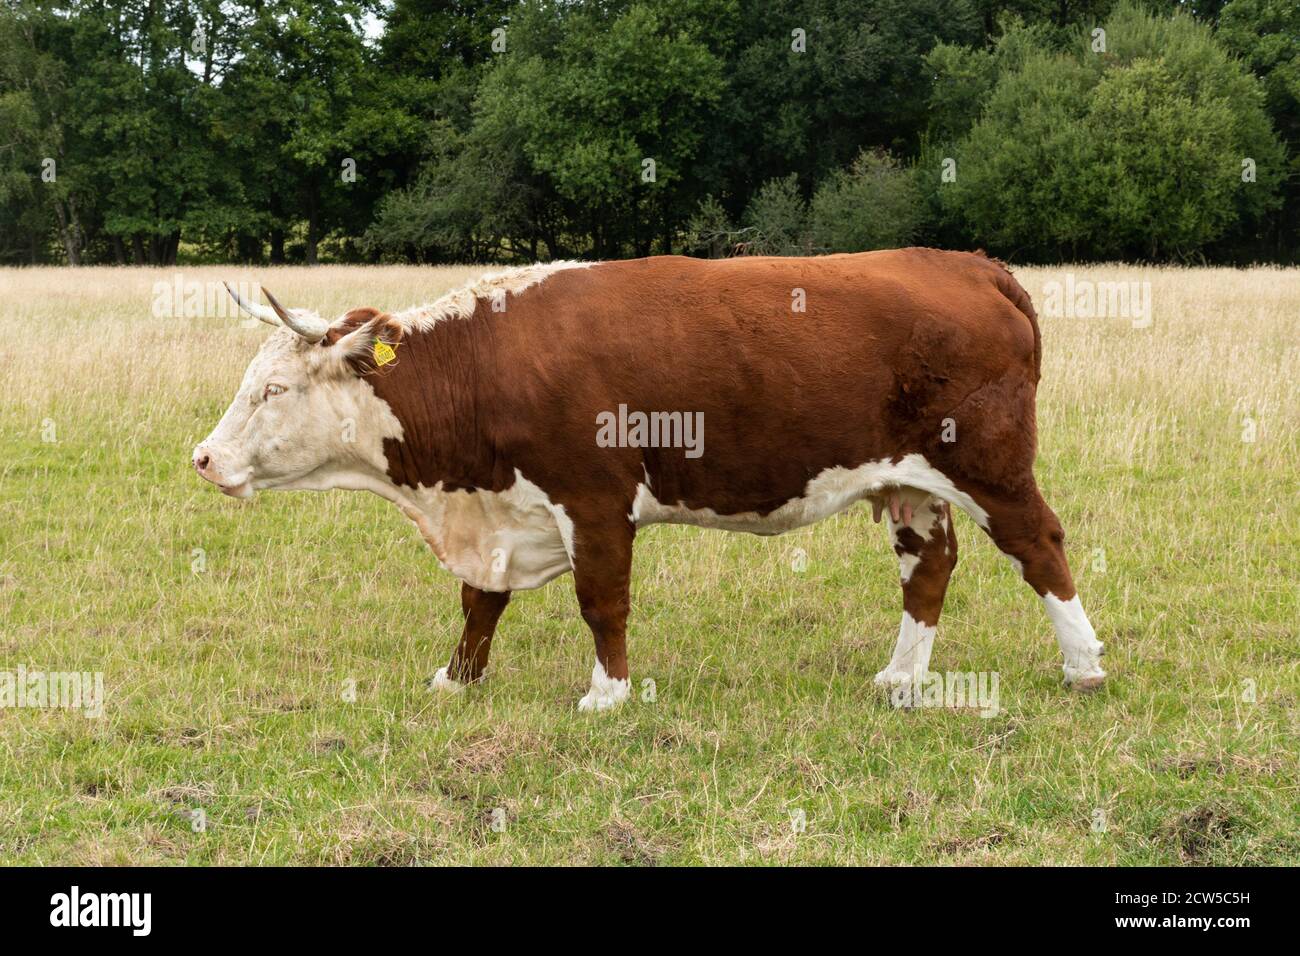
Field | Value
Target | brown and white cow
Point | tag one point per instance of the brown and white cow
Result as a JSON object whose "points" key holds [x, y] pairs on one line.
{"points": [[503, 421]]}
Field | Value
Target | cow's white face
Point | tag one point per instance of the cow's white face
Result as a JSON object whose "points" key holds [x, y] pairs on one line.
{"points": [[302, 419]]}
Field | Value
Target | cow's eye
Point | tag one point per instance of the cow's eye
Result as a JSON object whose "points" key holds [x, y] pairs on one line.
{"points": [[274, 389]]}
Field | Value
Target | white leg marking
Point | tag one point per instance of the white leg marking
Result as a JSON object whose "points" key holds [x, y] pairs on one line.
{"points": [[1079, 645], [446, 684], [606, 691], [924, 518], [911, 658]]}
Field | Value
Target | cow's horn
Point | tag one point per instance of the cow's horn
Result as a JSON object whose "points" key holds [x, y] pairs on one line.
{"points": [[307, 324], [252, 308]]}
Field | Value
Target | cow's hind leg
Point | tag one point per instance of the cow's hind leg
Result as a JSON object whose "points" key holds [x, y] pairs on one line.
{"points": [[1026, 530], [482, 610], [926, 544]]}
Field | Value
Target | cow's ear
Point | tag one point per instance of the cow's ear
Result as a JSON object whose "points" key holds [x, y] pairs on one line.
{"points": [[349, 324], [362, 342]]}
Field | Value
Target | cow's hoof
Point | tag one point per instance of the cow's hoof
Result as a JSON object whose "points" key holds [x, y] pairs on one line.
{"points": [[447, 685], [889, 680], [601, 699], [898, 687], [1086, 685], [1085, 676], [606, 691]]}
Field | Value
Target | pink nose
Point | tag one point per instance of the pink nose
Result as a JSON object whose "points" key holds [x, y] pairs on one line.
{"points": [[201, 459]]}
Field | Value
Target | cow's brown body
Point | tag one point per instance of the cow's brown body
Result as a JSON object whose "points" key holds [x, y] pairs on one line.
{"points": [[910, 372], [890, 344]]}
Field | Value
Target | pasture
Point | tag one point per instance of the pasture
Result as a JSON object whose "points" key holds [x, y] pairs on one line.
{"points": [[265, 662]]}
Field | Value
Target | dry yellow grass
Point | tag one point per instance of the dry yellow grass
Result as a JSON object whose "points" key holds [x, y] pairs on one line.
{"points": [[223, 685]]}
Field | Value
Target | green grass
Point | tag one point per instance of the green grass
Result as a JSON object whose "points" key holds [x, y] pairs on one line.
{"points": [[225, 688]]}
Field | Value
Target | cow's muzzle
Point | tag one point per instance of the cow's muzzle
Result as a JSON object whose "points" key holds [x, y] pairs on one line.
{"points": [[206, 461]]}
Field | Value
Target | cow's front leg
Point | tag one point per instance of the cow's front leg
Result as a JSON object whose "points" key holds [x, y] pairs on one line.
{"points": [[482, 610], [602, 573]]}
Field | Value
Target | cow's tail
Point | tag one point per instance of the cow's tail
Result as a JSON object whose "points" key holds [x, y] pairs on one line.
{"points": [[1015, 294]]}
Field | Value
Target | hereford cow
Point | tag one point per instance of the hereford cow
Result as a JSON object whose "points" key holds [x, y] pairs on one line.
{"points": [[530, 423]]}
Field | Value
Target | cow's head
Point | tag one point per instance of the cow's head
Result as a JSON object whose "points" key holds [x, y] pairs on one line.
{"points": [[304, 416]]}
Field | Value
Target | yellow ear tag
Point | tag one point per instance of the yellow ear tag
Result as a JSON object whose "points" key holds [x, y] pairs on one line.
{"points": [[384, 353]]}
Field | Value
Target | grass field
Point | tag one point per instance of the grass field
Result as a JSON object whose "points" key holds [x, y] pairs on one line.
{"points": [[228, 633]]}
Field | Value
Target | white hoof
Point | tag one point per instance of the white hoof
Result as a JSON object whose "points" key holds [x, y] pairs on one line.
{"points": [[606, 691], [1089, 677], [444, 683], [1083, 669], [889, 680], [593, 701], [900, 686]]}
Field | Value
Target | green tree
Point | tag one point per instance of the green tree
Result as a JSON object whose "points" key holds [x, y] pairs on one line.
{"points": [[776, 220], [32, 96], [612, 105], [1133, 152], [521, 129], [873, 204], [583, 137], [1266, 35], [811, 82]]}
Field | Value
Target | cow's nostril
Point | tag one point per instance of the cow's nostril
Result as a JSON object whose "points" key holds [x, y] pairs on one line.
{"points": [[202, 463]]}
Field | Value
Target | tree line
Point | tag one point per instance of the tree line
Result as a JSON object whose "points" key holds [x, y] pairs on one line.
{"points": [[155, 131]]}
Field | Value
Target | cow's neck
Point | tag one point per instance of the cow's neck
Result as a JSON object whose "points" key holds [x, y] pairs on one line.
{"points": [[434, 389]]}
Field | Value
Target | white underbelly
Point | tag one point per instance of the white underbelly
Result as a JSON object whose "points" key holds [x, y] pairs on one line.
{"points": [[795, 513], [496, 541], [518, 539], [830, 492]]}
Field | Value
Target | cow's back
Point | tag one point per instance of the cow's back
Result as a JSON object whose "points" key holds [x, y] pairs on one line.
{"points": [[796, 365]]}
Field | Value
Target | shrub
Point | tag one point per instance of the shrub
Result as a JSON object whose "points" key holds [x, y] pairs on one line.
{"points": [[776, 220], [874, 204], [1134, 151]]}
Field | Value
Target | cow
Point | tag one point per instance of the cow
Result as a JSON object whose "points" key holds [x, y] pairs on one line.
{"points": [[529, 423]]}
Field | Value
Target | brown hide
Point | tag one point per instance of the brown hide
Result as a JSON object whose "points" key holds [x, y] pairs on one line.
{"points": [[890, 345]]}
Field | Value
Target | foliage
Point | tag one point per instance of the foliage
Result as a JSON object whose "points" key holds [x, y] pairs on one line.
{"points": [[873, 204], [1137, 151], [288, 130], [777, 220]]}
